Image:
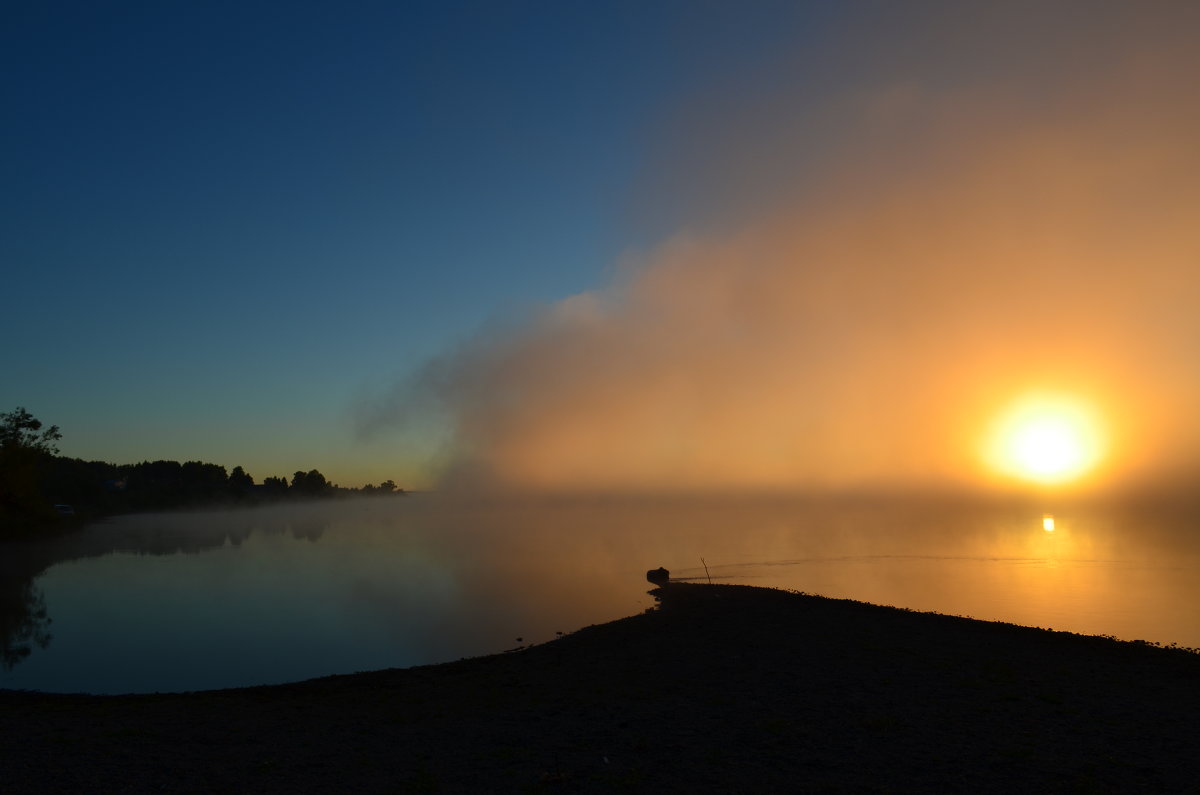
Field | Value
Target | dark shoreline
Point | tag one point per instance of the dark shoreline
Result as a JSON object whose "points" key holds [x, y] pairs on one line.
{"points": [[722, 689]]}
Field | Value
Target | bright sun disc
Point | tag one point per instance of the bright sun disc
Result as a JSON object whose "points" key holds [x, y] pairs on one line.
{"points": [[1046, 439]]}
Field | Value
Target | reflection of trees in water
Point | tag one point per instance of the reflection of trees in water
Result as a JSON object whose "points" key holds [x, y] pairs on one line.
{"points": [[24, 622], [297, 525], [310, 530]]}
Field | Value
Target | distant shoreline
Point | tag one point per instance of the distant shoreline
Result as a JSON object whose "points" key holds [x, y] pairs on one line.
{"points": [[723, 688], [50, 526]]}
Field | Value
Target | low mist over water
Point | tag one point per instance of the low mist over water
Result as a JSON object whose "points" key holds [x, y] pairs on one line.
{"points": [[163, 602]]}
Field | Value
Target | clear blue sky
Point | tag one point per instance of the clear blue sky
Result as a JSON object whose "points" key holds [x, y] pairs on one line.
{"points": [[223, 223]]}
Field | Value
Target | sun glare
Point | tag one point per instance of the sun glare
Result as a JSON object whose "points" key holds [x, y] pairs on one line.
{"points": [[1046, 439]]}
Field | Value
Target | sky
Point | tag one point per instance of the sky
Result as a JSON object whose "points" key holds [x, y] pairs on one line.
{"points": [[581, 245]]}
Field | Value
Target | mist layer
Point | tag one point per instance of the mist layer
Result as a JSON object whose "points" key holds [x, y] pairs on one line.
{"points": [[878, 247]]}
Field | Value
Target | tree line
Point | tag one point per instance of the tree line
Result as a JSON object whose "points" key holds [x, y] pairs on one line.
{"points": [[38, 486]]}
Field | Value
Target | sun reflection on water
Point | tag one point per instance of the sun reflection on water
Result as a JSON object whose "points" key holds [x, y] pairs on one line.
{"points": [[421, 581]]}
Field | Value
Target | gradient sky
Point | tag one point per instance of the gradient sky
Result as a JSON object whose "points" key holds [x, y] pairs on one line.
{"points": [[223, 223], [599, 245]]}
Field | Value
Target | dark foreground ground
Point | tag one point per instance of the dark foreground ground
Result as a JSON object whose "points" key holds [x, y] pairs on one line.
{"points": [[723, 689]]}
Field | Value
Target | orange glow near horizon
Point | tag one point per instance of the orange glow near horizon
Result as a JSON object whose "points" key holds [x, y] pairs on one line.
{"points": [[971, 288], [1048, 439]]}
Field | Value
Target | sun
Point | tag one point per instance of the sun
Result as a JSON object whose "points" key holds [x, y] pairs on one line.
{"points": [[1047, 439]]}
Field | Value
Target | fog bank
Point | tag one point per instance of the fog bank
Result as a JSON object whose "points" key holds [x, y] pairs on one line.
{"points": [[887, 242]]}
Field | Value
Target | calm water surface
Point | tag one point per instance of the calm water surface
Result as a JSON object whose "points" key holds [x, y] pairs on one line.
{"points": [[167, 602]]}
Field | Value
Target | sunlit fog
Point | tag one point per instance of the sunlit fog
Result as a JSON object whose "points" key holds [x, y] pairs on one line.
{"points": [[969, 266]]}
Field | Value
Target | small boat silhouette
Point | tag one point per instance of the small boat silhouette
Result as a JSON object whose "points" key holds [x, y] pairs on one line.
{"points": [[658, 576]]}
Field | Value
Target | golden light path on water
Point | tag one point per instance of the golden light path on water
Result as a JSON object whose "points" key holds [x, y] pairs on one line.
{"points": [[310, 590], [1086, 568]]}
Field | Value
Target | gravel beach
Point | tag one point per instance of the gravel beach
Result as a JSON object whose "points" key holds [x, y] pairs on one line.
{"points": [[722, 688]]}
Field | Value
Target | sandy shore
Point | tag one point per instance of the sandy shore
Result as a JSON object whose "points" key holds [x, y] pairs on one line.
{"points": [[722, 689]]}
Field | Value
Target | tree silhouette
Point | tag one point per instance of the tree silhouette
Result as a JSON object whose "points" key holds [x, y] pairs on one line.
{"points": [[275, 486], [19, 431], [310, 484], [26, 453], [34, 479], [238, 479]]}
